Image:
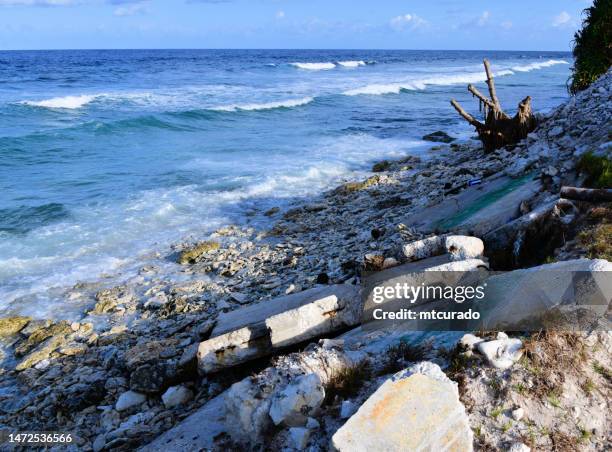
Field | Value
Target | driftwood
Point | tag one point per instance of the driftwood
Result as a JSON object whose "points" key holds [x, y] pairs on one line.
{"points": [[499, 129], [587, 194]]}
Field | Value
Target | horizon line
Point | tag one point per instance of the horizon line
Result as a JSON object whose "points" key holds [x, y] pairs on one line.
{"points": [[275, 49]]}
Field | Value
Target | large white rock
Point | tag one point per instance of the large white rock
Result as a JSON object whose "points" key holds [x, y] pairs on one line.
{"points": [[297, 401], [176, 395], [247, 410], [416, 410], [129, 399], [502, 353]]}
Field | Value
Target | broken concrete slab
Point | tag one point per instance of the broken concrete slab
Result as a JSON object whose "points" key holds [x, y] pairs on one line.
{"points": [[410, 411], [568, 295], [196, 432], [262, 328], [478, 209], [459, 247]]}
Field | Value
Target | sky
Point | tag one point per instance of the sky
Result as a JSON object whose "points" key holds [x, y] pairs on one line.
{"points": [[300, 24]]}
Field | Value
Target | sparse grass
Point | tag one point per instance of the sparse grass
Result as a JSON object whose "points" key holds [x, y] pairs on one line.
{"points": [[550, 357], [585, 435], [347, 382], [601, 370], [496, 412], [562, 442], [478, 431], [592, 56], [597, 241], [553, 399], [507, 426], [588, 386], [397, 356], [520, 388]]}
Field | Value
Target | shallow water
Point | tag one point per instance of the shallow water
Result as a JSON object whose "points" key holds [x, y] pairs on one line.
{"points": [[106, 156]]}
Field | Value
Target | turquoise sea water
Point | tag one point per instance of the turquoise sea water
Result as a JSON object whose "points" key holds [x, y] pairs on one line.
{"points": [[108, 156]]}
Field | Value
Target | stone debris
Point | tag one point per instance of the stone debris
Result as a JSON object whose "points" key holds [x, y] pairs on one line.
{"points": [[129, 399], [259, 329], [299, 400], [410, 411], [176, 395], [501, 353]]}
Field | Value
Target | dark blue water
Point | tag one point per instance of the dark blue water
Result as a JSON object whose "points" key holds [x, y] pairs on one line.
{"points": [[106, 156]]}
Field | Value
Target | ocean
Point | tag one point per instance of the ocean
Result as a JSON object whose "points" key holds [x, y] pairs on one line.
{"points": [[108, 157]]}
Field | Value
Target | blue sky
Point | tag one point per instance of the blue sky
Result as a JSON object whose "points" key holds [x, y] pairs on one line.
{"points": [[383, 24]]}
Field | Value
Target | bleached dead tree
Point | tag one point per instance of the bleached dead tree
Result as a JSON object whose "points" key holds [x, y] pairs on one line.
{"points": [[499, 129]]}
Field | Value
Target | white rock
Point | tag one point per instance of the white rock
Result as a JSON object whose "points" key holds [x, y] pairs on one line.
{"points": [[469, 341], [347, 409], [502, 353], [299, 399], [462, 247], [501, 335], [129, 399], [176, 395], [518, 414], [519, 447], [418, 409], [298, 437]]}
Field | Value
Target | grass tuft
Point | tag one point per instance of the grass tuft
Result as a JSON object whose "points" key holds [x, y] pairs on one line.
{"points": [[347, 382]]}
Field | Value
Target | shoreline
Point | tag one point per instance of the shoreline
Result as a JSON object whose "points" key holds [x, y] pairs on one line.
{"points": [[73, 373]]}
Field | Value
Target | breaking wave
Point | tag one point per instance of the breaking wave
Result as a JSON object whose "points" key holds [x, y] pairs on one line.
{"points": [[266, 106]]}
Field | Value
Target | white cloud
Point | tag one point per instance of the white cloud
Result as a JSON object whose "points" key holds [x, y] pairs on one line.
{"points": [[483, 19], [280, 14], [506, 25], [562, 19], [407, 21], [130, 10]]}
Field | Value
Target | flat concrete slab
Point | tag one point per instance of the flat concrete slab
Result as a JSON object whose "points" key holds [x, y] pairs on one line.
{"points": [[196, 432], [478, 209]]}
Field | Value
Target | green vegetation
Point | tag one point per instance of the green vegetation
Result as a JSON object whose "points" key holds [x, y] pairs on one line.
{"points": [[348, 381], [496, 412], [592, 46], [598, 169]]}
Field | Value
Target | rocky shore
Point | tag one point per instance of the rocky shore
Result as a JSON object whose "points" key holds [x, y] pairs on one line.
{"points": [[258, 344]]}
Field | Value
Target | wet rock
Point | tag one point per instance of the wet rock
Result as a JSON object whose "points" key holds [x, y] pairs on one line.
{"points": [[129, 399], [381, 166], [439, 136], [297, 401], [108, 300], [12, 325], [272, 211], [417, 409], [502, 353], [176, 395], [39, 334], [41, 352], [192, 255]]}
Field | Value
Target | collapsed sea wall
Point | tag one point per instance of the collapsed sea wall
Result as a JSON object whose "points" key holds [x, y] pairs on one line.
{"points": [[139, 363]]}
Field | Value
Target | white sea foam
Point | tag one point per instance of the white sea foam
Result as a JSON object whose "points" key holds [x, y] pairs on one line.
{"points": [[351, 64], [314, 66], [266, 106], [417, 84], [69, 102], [535, 66]]}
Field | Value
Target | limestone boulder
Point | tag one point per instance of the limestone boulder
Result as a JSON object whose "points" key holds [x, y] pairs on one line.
{"points": [[417, 409]]}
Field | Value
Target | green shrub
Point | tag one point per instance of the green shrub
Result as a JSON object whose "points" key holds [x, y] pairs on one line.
{"points": [[598, 169], [592, 46]]}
